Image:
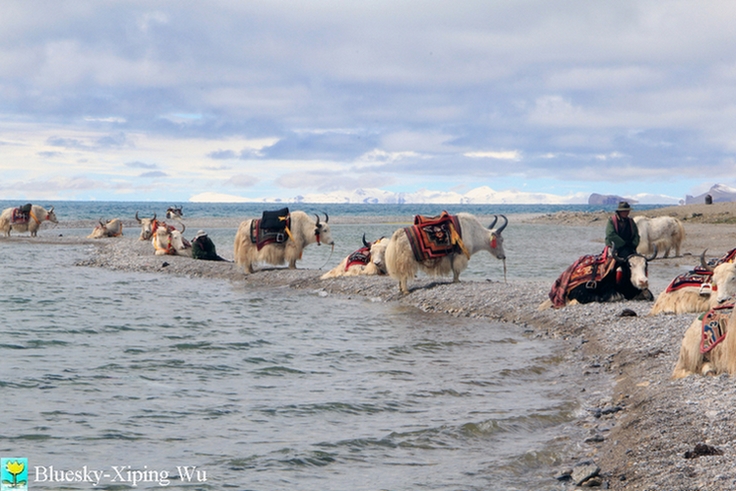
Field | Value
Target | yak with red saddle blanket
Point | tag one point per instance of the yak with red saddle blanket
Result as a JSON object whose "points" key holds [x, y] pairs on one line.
{"points": [[603, 277], [26, 218], [703, 287], [441, 245], [709, 346], [368, 260]]}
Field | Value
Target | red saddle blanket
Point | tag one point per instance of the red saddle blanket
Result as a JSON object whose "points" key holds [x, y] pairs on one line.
{"points": [[714, 326], [699, 276], [262, 236], [362, 257], [587, 269], [20, 217], [695, 278], [434, 237]]}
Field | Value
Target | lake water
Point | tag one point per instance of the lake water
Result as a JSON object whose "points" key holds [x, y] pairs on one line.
{"points": [[142, 377]]}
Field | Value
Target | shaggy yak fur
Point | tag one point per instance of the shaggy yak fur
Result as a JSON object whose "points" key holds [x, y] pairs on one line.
{"points": [[376, 262], [691, 299], [403, 266], [304, 231], [720, 359], [38, 215]]}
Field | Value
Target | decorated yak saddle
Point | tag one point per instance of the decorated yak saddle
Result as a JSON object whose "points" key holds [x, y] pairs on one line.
{"points": [[272, 227], [714, 326], [700, 277], [22, 214], [588, 270], [361, 257], [435, 237]]}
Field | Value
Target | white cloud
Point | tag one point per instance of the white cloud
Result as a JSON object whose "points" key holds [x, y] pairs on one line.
{"points": [[504, 155]]}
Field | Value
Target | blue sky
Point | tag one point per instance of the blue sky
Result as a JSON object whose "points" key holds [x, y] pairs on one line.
{"points": [[167, 100]]}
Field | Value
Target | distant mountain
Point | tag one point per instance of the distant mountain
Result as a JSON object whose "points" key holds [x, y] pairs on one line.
{"points": [[720, 193], [479, 195]]}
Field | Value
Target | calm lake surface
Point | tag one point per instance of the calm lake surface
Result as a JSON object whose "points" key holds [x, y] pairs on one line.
{"points": [[142, 376]]}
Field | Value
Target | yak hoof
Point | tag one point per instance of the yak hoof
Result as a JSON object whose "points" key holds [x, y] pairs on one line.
{"points": [[627, 313], [707, 370]]}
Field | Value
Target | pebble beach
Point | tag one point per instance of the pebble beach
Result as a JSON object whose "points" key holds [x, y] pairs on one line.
{"points": [[638, 429]]}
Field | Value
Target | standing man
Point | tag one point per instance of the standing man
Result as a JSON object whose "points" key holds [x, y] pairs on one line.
{"points": [[621, 231]]}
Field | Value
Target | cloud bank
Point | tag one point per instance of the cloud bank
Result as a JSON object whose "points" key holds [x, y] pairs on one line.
{"points": [[172, 100]]}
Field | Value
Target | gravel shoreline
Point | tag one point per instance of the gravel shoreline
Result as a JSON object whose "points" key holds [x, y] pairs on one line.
{"points": [[639, 428]]}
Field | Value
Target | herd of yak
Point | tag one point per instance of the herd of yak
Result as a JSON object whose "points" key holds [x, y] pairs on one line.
{"points": [[443, 245]]}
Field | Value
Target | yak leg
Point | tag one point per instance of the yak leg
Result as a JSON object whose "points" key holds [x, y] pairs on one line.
{"points": [[547, 304], [459, 264], [690, 360], [292, 254], [402, 286]]}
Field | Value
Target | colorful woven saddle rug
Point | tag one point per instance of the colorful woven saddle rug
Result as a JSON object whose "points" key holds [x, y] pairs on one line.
{"points": [[695, 278], [699, 276], [360, 257], [21, 215], [587, 270], [714, 326], [272, 227], [434, 237]]}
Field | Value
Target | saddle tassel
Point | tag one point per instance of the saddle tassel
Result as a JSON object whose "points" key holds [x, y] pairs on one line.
{"points": [[457, 240]]}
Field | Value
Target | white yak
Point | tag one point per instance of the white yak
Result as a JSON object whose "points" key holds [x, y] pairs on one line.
{"points": [[664, 233], [10, 219], [402, 263], [287, 245], [369, 260]]}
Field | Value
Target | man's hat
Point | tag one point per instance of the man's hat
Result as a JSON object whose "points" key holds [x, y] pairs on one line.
{"points": [[623, 206], [200, 234]]}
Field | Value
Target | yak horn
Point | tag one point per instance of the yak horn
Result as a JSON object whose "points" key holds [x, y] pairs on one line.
{"points": [[183, 227], [327, 218], [317, 219], [101, 222], [366, 244], [704, 264], [505, 222], [493, 224], [136, 217], [615, 255]]}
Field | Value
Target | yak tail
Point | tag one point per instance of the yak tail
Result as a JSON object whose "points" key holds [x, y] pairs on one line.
{"points": [[680, 238]]}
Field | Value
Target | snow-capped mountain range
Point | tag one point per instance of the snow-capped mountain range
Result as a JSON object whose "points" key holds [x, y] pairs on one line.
{"points": [[480, 195], [718, 193]]}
